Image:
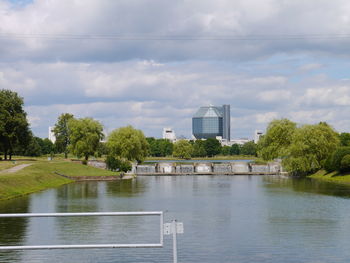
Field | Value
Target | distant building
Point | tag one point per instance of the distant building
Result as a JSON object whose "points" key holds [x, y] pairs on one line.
{"points": [[257, 135], [240, 141], [169, 134], [211, 122], [52, 136]]}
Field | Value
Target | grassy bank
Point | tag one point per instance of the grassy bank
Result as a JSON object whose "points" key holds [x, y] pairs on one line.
{"points": [[40, 176], [333, 177]]}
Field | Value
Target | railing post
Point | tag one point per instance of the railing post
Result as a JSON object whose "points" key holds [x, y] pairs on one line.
{"points": [[174, 228]]}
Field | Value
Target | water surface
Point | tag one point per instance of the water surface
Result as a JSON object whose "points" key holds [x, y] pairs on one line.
{"points": [[226, 218]]}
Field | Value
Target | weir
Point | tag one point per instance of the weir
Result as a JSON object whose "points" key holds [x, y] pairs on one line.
{"points": [[208, 168]]}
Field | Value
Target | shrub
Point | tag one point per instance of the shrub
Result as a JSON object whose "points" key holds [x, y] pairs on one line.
{"points": [[115, 164], [337, 157], [328, 164], [345, 164], [84, 162]]}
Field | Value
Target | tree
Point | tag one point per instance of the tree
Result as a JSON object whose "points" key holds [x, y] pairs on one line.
{"points": [[47, 147], [212, 147], [160, 147], [183, 149], [344, 139], [249, 148], [311, 146], [34, 148], [14, 127], [235, 149], [226, 150], [199, 149], [333, 162], [84, 135], [61, 131], [277, 139], [128, 143], [345, 164]]}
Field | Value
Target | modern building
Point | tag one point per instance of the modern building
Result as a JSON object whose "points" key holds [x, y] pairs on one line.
{"points": [[211, 122], [257, 135], [169, 134], [52, 136]]}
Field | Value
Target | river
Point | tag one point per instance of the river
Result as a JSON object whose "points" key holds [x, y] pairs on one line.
{"points": [[226, 219]]}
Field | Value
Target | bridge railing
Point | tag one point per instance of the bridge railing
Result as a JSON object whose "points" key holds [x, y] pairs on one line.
{"points": [[173, 228]]}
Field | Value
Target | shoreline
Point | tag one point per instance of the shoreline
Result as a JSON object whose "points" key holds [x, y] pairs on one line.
{"points": [[333, 177]]}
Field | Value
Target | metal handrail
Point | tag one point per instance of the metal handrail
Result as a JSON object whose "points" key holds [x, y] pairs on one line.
{"points": [[156, 245]]}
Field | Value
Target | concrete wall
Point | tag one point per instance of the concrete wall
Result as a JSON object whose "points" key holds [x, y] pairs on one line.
{"points": [[222, 168], [146, 169], [240, 167], [203, 168]]}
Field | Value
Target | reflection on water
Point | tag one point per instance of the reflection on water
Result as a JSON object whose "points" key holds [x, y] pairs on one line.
{"points": [[227, 219]]}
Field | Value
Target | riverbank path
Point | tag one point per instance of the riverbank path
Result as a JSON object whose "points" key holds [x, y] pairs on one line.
{"points": [[15, 169]]}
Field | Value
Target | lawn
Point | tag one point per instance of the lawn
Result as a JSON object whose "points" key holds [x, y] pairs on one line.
{"points": [[334, 177], [41, 175]]}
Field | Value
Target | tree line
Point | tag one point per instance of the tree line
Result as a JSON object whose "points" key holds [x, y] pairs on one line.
{"points": [[199, 148], [305, 149]]}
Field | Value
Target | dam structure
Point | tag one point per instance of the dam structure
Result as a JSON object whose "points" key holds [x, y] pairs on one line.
{"points": [[207, 168]]}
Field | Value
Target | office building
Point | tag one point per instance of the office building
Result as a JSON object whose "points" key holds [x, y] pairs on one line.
{"points": [[52, 136], [211, 122], [257, 135], [169, 134]]}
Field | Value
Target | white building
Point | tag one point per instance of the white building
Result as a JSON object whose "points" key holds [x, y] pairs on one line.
{"points": [[169, 134], [52, 136], [257, 135]]}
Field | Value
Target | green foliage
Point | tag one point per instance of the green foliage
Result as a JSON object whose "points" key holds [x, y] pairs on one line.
{"points": [[344, 139], [199, 149], [159, 147], [226, 150], [101, 149], [235, 149], [311, 146], [345, 164], [14, 127], [212, 147], [183, 149], [128, 143], [61, 131], [115, 164], [84, 135], [277, 139], [249, 148], [336, 158], [34, 148]]}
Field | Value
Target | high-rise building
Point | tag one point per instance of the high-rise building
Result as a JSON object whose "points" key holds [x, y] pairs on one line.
{"points": [[211, 122], [257, 135], [52, 136], [169, 134]]}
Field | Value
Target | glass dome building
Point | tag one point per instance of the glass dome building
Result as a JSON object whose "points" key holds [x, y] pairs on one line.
{"points": [[211, 121]]}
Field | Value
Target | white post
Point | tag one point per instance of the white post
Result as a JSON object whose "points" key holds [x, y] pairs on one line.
{"points": [[174, 241]]}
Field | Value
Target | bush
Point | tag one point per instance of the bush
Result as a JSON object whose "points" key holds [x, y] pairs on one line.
{"points": [[328, 164], [345, 164], [84, 162], [115, 164], [337, 157]]}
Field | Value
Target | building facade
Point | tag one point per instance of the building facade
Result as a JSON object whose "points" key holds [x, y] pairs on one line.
{"points": [[211, 122], [169, 134]]}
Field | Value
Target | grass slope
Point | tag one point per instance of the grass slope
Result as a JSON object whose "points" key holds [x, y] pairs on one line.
{"points": [[40, 176], [333, 177]]}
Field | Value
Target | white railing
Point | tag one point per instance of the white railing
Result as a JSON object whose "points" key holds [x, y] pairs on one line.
{"points": [[173, 228]]}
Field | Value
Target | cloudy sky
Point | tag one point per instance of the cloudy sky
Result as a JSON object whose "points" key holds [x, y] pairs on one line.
{"points": [[152, 63]]}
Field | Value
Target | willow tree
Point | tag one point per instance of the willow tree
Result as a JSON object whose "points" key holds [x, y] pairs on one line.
{"points": [[310, 147], [278, 137], [128, 143]]}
